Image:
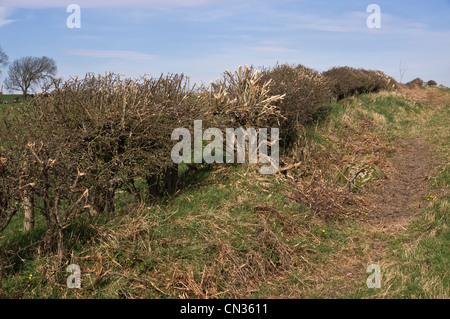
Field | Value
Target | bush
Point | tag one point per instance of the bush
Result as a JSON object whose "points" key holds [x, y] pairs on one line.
{"points": [[429, 83], [305, 91], [90, 137], [416, 83], [378, 81], [10, 172], [347, 81], [242, 99]]}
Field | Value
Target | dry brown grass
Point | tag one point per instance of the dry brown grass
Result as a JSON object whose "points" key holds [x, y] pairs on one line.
{"points": [[234, 274]]}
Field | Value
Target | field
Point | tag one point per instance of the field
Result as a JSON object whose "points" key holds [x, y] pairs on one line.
{"points": [[10, 97], [368, 183]]}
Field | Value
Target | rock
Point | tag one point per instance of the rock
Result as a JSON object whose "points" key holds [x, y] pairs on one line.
{"points": [[361, 174]]}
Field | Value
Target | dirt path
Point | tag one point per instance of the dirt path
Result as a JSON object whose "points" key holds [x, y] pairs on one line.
{"points": [[395, 200], [399, 198]]}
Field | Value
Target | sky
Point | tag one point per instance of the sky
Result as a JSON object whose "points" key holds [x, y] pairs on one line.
{"points": [[202, 38]]}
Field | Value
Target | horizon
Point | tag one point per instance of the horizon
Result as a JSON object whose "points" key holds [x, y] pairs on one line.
{"points": [[202, 38]]}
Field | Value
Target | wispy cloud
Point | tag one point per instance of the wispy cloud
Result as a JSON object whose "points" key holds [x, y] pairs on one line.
{"points": [[272, 49], [4, 13], [103, 3], [113, 54], [349, 22]]}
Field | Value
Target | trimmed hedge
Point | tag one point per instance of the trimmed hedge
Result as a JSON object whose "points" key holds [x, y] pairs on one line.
{"points": [[347, 81], [73, 148], [89, 138], [416, 83], [306, 91]]}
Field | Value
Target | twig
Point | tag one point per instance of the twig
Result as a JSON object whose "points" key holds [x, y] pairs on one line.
{"points": [[356, 175], [290, 167], [146, 281]]}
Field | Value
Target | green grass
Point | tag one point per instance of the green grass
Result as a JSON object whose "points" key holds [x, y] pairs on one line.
{"points": [[418, 259], [10, 97], [10, 107]]}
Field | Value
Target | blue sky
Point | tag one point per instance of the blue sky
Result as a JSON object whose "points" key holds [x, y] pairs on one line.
{"points": [[202, 38]]}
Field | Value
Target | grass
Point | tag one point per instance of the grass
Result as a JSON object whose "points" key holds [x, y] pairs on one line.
{"points": [[417, 262], [230, 232], [10, 107], [10, 97]]}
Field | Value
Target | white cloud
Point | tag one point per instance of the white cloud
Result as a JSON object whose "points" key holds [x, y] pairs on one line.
{"points": [[113, 54], [356, 22], [350, 22], [4, 13], [103, 3], [273, 49]]}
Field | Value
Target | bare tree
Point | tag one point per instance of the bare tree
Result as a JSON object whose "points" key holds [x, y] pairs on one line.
{"points": [[26, 72], [402, 68], [3, 58]]}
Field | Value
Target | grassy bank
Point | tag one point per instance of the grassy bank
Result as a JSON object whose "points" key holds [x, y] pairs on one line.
{"points": [[230, 232]]}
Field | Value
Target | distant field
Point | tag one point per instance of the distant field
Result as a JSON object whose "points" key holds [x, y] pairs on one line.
{"points": [[10, 97]]}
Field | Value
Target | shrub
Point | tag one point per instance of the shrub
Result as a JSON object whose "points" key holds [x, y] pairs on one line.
{"points": [[10, 171], [417, 82], [90, 137], [305, 91], [347, 81], [378, 81], [242, 99], [431, 83]]}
